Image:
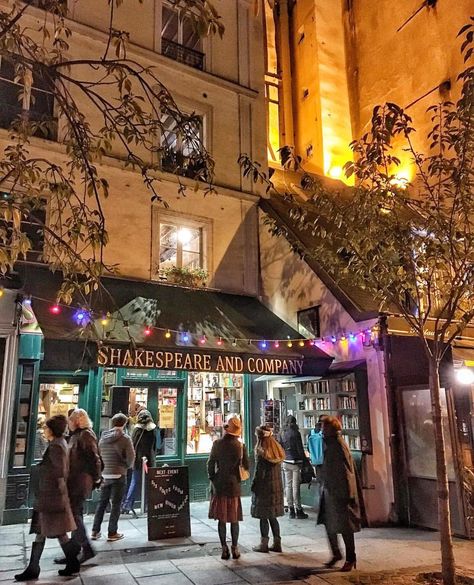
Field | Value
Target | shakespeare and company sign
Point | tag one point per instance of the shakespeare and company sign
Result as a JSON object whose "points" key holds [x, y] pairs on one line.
{"points": [[198, 361]]}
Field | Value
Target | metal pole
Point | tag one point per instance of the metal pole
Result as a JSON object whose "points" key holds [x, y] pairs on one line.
{"points": [[142, 504]]}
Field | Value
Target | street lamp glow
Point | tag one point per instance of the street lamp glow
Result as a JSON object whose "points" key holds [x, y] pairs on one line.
{"points": [[465, 376]]}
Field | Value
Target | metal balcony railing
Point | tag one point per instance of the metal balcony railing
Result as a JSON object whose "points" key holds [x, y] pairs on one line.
{"points": [[182, 54]]}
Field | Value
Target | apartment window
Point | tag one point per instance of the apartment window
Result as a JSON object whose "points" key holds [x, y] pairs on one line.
{"points": [[308, 322], [179, 38], [31, 226], [33, 102], [55, 6], [181, 245], [181, 146]]}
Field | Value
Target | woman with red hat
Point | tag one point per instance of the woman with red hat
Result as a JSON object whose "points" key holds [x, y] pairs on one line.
{"points": [[228, 455]]}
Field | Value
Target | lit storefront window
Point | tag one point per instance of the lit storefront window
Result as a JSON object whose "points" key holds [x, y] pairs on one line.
{"points": [[53, 399], [212, 399]]}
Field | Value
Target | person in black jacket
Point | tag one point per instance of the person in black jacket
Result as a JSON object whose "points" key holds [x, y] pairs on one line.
{"points": [[227, 454], [340, 506], [144, 439], [292, 443]]}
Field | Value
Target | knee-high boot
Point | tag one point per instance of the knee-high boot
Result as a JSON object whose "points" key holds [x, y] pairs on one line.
{"points": [[32, 571], [71, 549]]}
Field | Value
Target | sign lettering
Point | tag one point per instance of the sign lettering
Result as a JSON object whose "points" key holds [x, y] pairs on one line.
{"points": [[192, 360]]}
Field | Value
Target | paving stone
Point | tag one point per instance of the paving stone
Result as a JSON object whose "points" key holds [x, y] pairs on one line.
{"points": [[211, 576], [265, 573], [120, 579], [99, 570], [152, 568], [178, 579]]}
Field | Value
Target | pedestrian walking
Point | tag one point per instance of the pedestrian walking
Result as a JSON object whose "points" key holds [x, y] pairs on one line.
{"points": [[144, 439], [85, 468], [52, 515], [118, 455], [267, 488], [228, 456], [292, 443], [339, 510]]}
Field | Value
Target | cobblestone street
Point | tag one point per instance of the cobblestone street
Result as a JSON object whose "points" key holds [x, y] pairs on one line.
{"points": [[385, 555]]}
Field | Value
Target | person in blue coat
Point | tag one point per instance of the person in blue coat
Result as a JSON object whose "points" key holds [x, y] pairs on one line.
{"points": [[316, 444]]}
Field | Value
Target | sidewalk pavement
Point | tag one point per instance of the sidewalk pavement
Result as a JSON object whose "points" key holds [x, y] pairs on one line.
{"points": [[385, 555]]}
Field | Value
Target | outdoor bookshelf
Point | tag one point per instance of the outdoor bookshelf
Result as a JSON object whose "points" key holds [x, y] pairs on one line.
{"points": [[343, 396]]}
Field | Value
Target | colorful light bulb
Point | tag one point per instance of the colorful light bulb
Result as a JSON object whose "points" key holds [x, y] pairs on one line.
{"points": [[203, 340], [168, 334], [148, 331], [55, 309], [301, 343], [219, 341], [186, 337], [276, 344], [263, 344]]}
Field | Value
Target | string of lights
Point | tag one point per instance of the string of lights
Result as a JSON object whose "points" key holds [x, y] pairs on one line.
{"points": [[85, 316]]}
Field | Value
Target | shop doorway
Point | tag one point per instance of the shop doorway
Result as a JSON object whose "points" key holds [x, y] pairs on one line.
{"points": [[163, 401], [420, 459]]}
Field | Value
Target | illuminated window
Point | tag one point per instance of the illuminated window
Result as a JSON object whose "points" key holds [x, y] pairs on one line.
{"points": [[212, 399], [181, 243]]}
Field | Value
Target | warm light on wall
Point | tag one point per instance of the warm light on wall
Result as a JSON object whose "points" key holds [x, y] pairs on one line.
{"points": [[336, 172]]}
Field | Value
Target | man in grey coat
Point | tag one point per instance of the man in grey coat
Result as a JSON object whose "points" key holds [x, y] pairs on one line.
{"points": [[118, 455]]}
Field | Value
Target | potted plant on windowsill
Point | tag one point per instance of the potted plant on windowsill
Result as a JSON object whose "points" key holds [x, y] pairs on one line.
{"points": [[184, 276]]}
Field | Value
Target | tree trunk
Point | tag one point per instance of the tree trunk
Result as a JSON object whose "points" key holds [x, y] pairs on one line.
{"points": [[444, 514]]}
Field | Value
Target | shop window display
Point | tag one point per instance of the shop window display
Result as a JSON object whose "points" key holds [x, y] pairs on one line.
{"points": [[53, 399], [212, 399], [167, 420]]}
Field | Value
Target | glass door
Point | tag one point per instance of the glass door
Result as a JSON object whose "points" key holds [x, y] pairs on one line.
{"points": [[420, 458], [164, 402]]}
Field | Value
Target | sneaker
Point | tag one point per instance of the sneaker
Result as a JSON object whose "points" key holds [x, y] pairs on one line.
{"points": [[96, 535], [114, 537]]}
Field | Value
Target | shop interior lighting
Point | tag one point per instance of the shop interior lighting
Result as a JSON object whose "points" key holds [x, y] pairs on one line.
{"points": [[465, 376]]}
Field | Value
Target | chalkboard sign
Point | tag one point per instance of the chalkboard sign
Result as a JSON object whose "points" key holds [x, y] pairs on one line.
{"points": [[168, 503]]}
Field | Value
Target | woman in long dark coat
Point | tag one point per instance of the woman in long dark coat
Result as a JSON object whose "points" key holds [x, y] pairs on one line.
{"points": [[339, 510], [227, 454], [52, 516], [267, 488], [85, 468]]}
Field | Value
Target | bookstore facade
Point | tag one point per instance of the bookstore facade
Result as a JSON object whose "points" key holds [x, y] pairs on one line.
{"points": [[190, 390]]}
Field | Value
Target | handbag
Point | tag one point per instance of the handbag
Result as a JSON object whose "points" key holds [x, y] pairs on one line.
{"points": [[244, 474], [307, 472]]}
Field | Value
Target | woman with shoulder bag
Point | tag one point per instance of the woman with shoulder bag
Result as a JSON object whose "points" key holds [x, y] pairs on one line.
{"points": [[52, 516], [267, 488], [227, 466]]}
